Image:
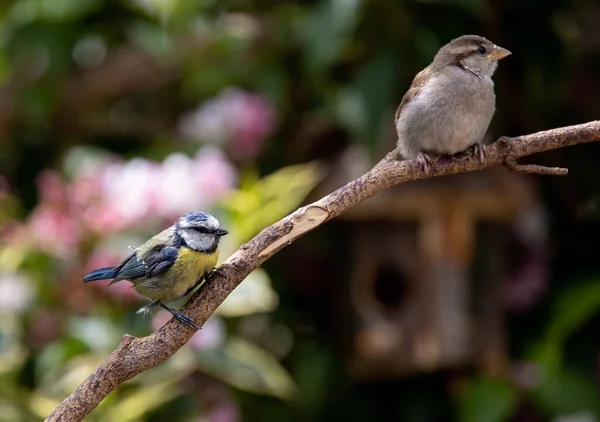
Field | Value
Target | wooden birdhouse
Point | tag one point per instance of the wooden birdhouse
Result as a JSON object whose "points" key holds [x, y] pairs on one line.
{"points": [[414, 300]]}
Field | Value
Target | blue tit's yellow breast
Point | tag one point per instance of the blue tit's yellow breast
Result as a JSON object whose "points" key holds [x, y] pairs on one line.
{"points": [[189, 267], [194, 264]]}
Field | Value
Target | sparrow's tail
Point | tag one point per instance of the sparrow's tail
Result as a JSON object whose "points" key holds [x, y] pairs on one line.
{"points": [[100, 274]]}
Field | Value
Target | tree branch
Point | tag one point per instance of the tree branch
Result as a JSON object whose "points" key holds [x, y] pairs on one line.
{"points": [[135, 355], [511, 164]]}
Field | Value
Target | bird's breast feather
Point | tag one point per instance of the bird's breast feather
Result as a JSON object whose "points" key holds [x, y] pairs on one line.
{"points": [[194, 264]]}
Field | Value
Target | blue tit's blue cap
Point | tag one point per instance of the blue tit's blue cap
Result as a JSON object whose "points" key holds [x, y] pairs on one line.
{"points": [[197, 217]]}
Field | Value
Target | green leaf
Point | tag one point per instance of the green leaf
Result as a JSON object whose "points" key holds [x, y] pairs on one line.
{"points": [[24, 11], [370, 96], [4, 68], [312, 370], [573, 308], [326, 30], [60, 382], [57, 354], [140, 402], [171, 11], [254, 295], [13, 352], [248, 367], [153, 39], [97, 333], [487, 400], [260, 203], [563, 391]]}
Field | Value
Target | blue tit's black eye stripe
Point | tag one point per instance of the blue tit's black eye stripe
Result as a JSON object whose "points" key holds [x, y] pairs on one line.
{"points": [[481, 50], [200, 229]]}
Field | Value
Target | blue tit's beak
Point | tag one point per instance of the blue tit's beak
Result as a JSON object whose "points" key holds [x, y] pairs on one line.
{"points": [[221, 232]]}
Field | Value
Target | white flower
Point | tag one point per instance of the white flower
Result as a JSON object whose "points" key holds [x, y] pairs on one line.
{"points": [[16, 292]]}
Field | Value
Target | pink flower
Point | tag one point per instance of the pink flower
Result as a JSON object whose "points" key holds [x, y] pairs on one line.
{"points": [[130, 193], [160, 318], [111, 196], [186, 183], [208, 123], [212, 334], [241, 119], [52, 188], [214, 174], [255, 121], [225, 411], [127, 190], [54, 230], [527, 285], [175, 191]]}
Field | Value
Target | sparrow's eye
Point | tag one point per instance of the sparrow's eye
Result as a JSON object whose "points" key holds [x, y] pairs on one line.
{"points": [[481, 50]]}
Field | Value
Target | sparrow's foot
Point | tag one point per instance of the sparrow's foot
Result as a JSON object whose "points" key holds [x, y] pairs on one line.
{"points": [[479, 151], [424, 161], [181, 317]]}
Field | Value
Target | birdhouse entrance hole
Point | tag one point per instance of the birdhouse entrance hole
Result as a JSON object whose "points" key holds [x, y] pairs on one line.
{"points": [[390, 287]]}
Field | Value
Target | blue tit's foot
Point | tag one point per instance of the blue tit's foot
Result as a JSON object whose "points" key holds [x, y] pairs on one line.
{"points": [[213, 273], [144, 310], [479, 151], [181, 317], [424, 161]]}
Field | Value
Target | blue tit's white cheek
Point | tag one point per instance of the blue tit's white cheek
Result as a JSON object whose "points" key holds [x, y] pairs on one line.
{"points": [[199, 241]]}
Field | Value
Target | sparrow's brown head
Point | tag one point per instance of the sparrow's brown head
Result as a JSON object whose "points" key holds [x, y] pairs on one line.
{"points": [[473, 53]]}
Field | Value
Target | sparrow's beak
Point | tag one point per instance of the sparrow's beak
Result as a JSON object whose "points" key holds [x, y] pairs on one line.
{"points": [[221, 232], [499, 53]]}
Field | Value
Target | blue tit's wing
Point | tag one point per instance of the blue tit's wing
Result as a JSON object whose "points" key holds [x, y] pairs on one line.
{"points": [[154, 263], [160, 261], [130, 269]]}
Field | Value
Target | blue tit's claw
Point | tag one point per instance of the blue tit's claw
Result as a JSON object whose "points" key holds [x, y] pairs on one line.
{"points": [[184, 319], [213, 273], [145, 309], [181, 317]]}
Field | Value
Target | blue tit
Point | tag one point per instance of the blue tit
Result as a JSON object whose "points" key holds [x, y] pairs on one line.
{"points": [[171, 264]]}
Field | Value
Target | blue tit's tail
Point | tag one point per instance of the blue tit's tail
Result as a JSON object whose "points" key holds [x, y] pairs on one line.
{"points": [[101, 274]]}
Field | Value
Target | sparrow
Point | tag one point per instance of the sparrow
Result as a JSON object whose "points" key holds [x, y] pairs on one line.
{"points": [[450, 103]]}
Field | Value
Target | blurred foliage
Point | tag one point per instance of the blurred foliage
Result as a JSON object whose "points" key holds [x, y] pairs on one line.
{"points": [[487, 400], [258, 203], [117, 116]]}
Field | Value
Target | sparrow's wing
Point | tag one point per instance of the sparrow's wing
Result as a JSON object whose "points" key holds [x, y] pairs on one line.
{"points": [[154, 263], [417, 85]]}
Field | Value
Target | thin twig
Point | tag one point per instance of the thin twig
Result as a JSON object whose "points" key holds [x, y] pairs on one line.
{"points": [[511, 164], [135, 355]]}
